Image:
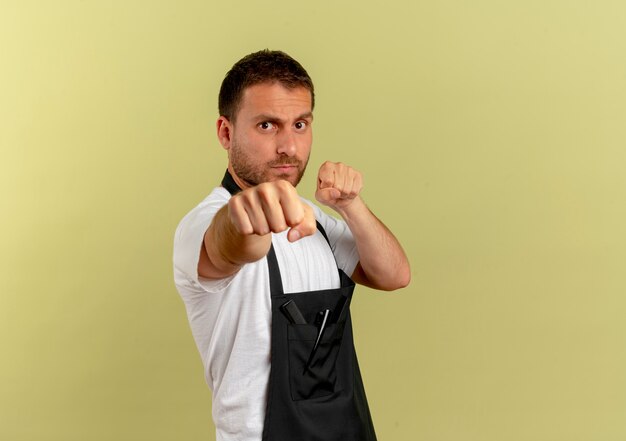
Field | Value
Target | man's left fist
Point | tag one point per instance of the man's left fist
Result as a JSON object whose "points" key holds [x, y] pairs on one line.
{"points": [[338, 185]]}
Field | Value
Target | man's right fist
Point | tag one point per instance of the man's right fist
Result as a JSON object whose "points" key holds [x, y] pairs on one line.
{"points": [[271, 207]]}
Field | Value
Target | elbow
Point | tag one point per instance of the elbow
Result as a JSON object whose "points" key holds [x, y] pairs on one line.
{"points": [[402, 275], [403, 280], [389, 279], [400, 280]]}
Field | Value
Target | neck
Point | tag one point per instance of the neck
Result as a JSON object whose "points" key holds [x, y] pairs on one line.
{"points": [[240, 182]]}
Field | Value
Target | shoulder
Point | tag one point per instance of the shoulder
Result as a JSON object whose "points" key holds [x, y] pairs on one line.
{"points": [[204, 211], [210, 204]]}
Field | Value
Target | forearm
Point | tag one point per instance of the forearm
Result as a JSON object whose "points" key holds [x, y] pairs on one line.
{"points": [[227, 250], [383, 263]]}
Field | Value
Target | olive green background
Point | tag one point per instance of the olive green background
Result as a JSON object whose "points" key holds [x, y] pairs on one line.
{"points": [[491, 135]]}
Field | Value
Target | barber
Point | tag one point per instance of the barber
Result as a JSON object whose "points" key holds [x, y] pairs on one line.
{"points": [[253, 245]]}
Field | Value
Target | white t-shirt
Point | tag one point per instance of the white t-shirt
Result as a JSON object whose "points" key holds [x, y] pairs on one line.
{"points": [[231, 318]]}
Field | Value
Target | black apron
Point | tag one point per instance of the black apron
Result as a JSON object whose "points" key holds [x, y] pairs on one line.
{"points": [[320, 398]]}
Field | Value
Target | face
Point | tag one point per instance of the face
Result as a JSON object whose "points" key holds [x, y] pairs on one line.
{"points": [[271, 136]]}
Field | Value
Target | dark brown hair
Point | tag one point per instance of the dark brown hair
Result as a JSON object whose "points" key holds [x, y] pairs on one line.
{"points": [[261, 67]]}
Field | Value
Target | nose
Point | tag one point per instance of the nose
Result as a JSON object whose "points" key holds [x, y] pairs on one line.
{"points": [[287, 143]]}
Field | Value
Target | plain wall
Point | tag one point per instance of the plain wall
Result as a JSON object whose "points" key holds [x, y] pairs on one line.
{"points": [[491, 136]]}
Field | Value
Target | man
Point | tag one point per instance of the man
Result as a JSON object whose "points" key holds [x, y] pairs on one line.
{"points": [[262, 271]]}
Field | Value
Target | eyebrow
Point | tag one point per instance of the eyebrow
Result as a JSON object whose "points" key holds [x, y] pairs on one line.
{"points": [[272, 118]]}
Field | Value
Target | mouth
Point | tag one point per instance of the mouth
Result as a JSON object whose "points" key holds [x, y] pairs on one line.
{"points": [[285, 168]]}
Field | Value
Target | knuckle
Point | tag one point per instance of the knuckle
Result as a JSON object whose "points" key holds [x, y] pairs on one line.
{"points": [[261, 231], [235, 208], [264, 196], [295, 219], [278, 223], [309, 216], [284, 186], [262, 188], [289, 191], [241, 226], [241, 200], [235, 200], [266, 192], [311, 226], [279, 227]]}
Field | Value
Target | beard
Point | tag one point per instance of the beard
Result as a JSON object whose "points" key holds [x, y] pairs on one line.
{"points": [[255, 173]]}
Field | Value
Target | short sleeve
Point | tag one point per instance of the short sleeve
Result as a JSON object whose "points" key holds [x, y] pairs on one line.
{"points": [[341, 240], [188, 241]]}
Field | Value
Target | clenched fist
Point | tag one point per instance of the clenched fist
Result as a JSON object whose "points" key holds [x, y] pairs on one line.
{"points": [[338, 185], [271, 207]]}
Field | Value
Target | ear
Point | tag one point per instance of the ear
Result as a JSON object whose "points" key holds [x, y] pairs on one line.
{"points": [[224, 131]]}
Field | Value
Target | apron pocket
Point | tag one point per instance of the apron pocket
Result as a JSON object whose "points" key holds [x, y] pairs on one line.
{"points": [[320, 378]]}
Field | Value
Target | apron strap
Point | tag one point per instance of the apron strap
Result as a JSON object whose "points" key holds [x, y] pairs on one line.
{"points": [[229, 184], [276, 281]]}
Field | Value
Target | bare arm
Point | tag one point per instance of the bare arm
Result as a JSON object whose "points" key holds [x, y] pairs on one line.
{"points": [[383, 263], [239, 232], [225, 249]]}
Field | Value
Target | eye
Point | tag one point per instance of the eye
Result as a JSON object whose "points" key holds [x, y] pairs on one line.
{"points": [[266, 126], [300, 125]]}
